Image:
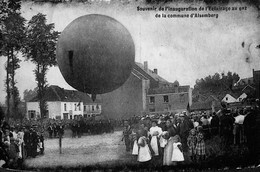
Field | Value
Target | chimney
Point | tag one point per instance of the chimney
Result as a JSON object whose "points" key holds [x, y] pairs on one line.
{"points": [[155, 71], [146, 66]]}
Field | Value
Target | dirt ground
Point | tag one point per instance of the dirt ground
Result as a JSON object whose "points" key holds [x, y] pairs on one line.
{"points": [[106, 150], [88, 150]]}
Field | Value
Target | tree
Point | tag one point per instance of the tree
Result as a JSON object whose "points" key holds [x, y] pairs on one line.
{"points": [[12, 37], [29, 94], [7, 8], [40, 49], [216, 84]]}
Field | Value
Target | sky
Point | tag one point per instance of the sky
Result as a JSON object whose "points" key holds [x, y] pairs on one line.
{"points": [[183, 49]]}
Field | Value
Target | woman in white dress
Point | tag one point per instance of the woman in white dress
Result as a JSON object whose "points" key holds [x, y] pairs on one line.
{"points": [[135, 144], [144, 153], [171, 138], [177, 155], [20, 136], [155, 132]]}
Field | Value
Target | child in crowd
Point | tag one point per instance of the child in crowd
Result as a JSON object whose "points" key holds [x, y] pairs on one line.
{"points": [[155, 133], [177, 154], [191, 142], [135, 145], [200, 146], [144, 154]]}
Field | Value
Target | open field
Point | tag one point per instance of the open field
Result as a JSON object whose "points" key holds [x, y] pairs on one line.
{"points": [[88, 150], [95, 151]]}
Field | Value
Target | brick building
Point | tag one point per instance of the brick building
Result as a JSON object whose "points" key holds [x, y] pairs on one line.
{"points": [[169, 98], [133, 97]]}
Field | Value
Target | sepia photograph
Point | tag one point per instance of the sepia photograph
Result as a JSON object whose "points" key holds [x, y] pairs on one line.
{"points": [[129, 85]]}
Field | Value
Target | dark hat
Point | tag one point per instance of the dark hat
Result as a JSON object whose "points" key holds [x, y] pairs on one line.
{"points": [[155, 120], [166, 118]]}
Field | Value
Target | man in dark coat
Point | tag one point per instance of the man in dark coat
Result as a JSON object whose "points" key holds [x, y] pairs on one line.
{"points": [[27, 142], [35, 141], [185, 128], [50, 130], [250, 129], [214, 124], [126, 135], [227, 122]]}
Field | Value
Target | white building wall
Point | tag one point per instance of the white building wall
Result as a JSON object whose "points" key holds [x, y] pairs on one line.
{"points": [[57, 109], [72, 108], [92, 109], [229, 99], [241, 97], [54, 109], [32, 106]]}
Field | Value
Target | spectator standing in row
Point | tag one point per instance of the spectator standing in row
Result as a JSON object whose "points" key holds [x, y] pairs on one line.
{"points": [[50, 130], [192, 142], [126, 135], [214, 124]]}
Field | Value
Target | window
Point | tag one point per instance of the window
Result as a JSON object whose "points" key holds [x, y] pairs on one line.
{"points": [[65, 116], [152, 100], [70, 116], [85, 108], [93, 108], [75, 106], [152, 109], [165, 99], [182, 98], [31, 113], [65, 107], [97, 107], [79, 107], [226, 98]]}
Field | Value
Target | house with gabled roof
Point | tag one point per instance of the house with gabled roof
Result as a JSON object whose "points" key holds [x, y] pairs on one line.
{"points": [[64, 104], [211, 103], [134, 96]]}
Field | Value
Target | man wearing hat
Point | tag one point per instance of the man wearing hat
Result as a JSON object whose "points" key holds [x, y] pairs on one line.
{"points": [[126, 135], [185, 128], [35, 141]]}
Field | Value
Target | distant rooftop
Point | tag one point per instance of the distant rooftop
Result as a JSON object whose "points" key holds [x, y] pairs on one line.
{"points": [[55, 93], [151, 73]]}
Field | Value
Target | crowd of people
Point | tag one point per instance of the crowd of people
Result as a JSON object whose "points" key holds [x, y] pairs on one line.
{"points": [[18, 142], [81, 126], [173, 138], [165, 139]]}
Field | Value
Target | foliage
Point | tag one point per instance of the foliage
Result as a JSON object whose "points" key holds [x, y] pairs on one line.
{"points": [[40, 49], [216, 84], [12, 36], [29, 94]]}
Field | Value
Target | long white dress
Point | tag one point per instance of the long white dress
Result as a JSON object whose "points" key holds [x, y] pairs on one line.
{"points": [[20, 136], [162, 140], [144, 153], [177, 155], [135, 148], [154, 140]]}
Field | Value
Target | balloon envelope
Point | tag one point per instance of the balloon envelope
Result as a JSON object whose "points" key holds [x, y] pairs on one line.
{"points": [[95, 54]]}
